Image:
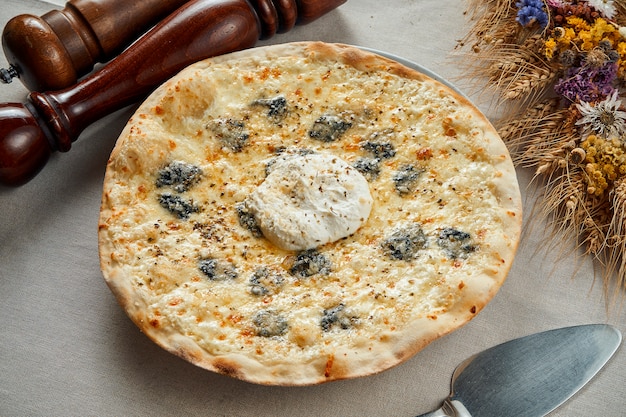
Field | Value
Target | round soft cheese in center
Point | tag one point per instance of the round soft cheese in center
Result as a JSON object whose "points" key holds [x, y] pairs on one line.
{"points": [[309, 200]]}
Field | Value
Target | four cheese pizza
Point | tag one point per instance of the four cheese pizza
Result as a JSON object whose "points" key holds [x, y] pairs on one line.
{"points": [[307, 212]]}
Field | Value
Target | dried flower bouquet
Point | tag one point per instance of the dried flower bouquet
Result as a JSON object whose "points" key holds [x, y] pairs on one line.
{"points": [[558, 71]]}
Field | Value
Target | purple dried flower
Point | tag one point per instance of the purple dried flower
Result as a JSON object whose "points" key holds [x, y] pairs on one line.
{"points": [[531, 11], [587, 83]]}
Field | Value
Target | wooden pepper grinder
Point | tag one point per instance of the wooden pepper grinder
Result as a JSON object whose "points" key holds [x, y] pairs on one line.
{"points": [[52, 51], [51, 121]]}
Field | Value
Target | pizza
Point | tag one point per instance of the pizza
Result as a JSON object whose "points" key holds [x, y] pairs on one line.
{"points": [[307, 212]]}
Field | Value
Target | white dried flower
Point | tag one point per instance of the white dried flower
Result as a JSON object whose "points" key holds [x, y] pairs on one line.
{"points": [[604, 118], [555, 3], [605, 7]]}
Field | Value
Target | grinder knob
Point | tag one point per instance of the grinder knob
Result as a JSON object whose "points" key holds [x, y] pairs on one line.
{"points": [[52, 51]]}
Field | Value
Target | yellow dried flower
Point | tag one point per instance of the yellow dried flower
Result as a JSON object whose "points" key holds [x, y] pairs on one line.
{"points": [[588, 145], [610, 172], [596, 182], [549, 48], [568, 37], [606, 162], [578, 34], [585, 37], [601, 30], [577, 23]]}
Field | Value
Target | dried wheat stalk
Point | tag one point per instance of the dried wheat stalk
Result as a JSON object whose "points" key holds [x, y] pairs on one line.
{"points": [[509, 62]]}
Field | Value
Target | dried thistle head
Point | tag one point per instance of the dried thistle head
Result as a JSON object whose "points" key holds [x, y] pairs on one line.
{"points": [[596, 58]]}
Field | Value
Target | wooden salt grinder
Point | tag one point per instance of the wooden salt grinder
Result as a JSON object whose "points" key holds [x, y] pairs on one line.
{"points": [[52, 51], [52, 121]]}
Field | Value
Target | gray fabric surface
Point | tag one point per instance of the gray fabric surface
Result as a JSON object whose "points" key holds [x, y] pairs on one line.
{"points": [[67, 349]]}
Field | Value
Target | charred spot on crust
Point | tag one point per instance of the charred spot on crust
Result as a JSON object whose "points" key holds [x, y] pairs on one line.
{"points": [[188, 355], [232, 133], [405, 243], [405, 179], [309, 263], [217, 270], [268, 323], [337, 317], [226, 368], [455, 243], [277, 108], [177, 205], [264, 282], [178, 175], [368, 167], [329, 128], [247, 219]]}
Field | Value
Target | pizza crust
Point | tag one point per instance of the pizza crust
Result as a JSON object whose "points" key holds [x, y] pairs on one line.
{"points": [[153, 261]]}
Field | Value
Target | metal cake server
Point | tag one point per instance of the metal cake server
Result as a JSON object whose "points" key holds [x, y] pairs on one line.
{"points": [[529, 376]]}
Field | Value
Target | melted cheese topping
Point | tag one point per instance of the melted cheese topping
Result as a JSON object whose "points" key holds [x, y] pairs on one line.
{"points": [[436, 239], [310, 200]]}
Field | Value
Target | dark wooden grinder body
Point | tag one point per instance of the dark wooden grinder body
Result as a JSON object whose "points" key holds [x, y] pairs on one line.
{"points": [[51, 121]]}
